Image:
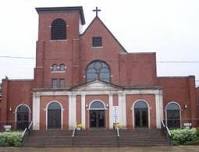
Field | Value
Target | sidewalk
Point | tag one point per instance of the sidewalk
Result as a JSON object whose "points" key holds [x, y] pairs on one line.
{"points": [[122, 149]]}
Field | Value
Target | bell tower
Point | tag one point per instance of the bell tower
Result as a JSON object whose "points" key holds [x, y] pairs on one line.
{"points": [[57, 52]]}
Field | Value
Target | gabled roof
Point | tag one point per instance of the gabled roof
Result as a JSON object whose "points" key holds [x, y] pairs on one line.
{"points": [[97, 18], [97, 85], [62, 9]]}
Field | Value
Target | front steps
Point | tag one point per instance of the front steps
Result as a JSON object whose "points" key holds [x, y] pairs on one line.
{"points": [[49, 138], [142, 137], [96, 138]]}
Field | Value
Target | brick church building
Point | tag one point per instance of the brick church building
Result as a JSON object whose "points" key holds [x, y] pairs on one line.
{"points": [[90, 79]]}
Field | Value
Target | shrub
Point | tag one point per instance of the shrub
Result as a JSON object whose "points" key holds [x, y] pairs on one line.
{"points": [[183, 136], [197, 132], [10, 139]]}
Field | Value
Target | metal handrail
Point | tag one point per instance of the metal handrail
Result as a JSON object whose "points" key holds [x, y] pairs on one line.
{"points": [[27, 129], [30, 125], [24, 132], [73, 133], [118, 131], [166, 131]]}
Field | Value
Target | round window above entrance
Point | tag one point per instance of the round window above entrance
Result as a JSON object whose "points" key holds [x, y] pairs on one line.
{"points": [[97, 105]]}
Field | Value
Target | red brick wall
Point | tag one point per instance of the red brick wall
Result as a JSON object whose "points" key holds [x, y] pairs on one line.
{"points": [[181, 90], [19, 92], [197, 92], [4, 101], [138, 69]]}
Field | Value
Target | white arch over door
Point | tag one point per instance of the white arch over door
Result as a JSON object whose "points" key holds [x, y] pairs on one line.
{"points": [[89, 107]]}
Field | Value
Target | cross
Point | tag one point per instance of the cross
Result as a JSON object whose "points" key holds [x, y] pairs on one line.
{"points": [[96, 10]]}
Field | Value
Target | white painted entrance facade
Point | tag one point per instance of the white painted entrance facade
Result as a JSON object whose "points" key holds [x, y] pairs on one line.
{"points": [[97, 88]]}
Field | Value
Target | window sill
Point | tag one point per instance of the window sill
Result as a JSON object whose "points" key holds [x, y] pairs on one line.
{"points": [[58, 40], [58, 71], [97, 47]]}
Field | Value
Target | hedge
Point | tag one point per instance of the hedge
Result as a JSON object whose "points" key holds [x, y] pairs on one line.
{"points": [[184, 136], [11, 139]]}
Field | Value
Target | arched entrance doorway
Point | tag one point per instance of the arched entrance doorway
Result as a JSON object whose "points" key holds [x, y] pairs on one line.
{"points": [[22, 117], [97, 115], [173, 115], [54, 116], [141, 114]]}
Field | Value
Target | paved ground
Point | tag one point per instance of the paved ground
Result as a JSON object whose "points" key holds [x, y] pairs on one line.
{"points": [[123, 149]]}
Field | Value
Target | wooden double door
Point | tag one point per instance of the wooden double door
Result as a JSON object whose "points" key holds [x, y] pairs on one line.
{"points": [[141, 118], [97, 118]]}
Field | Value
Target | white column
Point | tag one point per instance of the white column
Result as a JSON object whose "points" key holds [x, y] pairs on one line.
{"points": [[110, 111], [72, 111], [159, 108], [36, 112], [83, 113], [122, 109]]}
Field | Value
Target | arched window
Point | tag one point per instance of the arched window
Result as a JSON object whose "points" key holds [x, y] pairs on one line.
{"points": [[61, 67], [141, 114], [97, 105], [173, 115], [140, 105], [22, 117], [58, 30], [98, 70], [54, 67]]}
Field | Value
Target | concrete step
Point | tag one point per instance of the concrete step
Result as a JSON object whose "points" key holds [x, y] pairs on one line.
{"points": [[96, 138]]}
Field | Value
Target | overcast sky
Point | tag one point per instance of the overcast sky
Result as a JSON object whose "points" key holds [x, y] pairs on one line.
{"points": [[168, 27]]}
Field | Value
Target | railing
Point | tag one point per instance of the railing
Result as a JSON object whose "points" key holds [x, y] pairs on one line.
{"points": [[73, 135], [118, 136], [166, 131], [27, 130], [118, 131]]}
